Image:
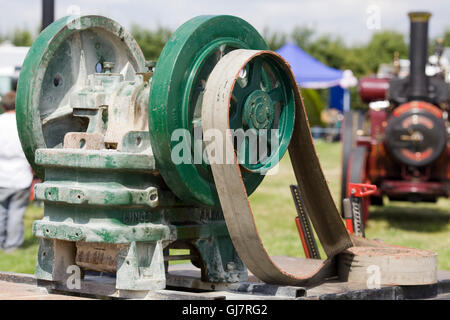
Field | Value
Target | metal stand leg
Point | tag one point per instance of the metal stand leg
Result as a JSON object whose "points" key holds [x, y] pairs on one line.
{"points": [[54, 257], [221, 262], [140, 266]]}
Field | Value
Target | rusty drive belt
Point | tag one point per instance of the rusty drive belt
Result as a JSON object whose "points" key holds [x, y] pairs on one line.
{"points": [[232, 193]]}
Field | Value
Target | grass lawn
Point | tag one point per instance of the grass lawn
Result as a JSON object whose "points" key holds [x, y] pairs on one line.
{"points": [[23, 260], [420, 225], [423, 226]]}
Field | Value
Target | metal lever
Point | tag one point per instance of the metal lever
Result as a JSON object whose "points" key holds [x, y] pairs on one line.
{"points": [[357, 193], [304, 226]]}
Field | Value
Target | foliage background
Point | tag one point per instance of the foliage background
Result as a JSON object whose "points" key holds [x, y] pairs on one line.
{"points": [[363, 59]]}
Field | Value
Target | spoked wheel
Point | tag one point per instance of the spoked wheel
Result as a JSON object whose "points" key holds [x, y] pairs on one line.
{"points": [[357, 174], [262, 107]]}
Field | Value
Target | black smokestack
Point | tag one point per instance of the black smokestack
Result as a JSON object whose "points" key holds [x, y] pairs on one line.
{"points": [[418, 55], [48, 12]]}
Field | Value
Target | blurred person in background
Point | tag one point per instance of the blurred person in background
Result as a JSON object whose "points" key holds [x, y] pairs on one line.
{"points": [[15, 178]]}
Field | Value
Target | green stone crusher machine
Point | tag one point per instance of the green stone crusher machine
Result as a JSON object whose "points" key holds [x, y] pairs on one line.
{"points": [[128, 171]]}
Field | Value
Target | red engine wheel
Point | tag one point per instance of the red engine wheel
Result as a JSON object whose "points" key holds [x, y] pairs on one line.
{"points": [[353, 121]]}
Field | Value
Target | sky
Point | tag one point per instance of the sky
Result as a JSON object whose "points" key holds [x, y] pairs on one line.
{"points": [[353, 20]]}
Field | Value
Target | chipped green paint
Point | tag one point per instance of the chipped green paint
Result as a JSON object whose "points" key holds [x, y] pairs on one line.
{"points": [[62, 231], [94, 159], [221, 260], [126, 196], [115, 205], [45, 260], [107, 231], [35, 74], [100, 193]]}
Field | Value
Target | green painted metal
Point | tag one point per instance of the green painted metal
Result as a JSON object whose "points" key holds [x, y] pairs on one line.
{"points": [[266, 106], [258, 110], [141, 266], [98, 127], [95, 159], [45, 260], [125, 205], [106, 232], [47, 73], [188, 57], [106, 194]]}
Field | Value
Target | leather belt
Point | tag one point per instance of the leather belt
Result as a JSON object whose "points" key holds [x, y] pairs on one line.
{"points": [[238, 215]]}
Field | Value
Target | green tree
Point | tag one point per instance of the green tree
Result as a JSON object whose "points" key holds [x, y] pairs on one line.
{"points": [[446, 38], [151, 41], [274, 40], [22, 38], [382, 47], [329, 51], [314, 105], [3, 38], [302, 36]]}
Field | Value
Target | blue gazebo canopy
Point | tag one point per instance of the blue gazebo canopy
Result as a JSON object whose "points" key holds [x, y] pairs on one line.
{"points": [[308, 71]]}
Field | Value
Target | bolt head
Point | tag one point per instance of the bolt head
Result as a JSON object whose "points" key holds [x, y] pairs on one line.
{"points": [[230, 266]]}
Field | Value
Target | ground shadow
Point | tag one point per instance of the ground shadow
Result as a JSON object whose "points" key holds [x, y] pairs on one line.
{"points": [[412, 216]]}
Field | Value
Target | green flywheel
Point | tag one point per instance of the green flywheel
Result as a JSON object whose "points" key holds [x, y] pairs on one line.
{"points": [[176, 98]]}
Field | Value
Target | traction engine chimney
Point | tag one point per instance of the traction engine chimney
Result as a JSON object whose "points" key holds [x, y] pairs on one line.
{"points": [[418, 55]]}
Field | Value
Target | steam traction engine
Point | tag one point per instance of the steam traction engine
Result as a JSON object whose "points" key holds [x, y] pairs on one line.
{"points": [[406, 154]]}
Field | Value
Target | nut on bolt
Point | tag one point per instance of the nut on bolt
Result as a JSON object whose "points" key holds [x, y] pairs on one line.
{"points": [[230, 266], [150, 64], [153, 199], [108, 66]]}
